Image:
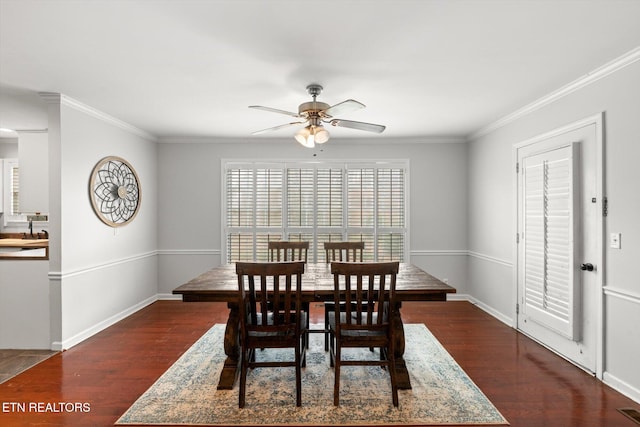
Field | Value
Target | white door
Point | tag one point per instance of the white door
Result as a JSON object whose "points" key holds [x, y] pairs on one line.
{"points": [[560, 241]]}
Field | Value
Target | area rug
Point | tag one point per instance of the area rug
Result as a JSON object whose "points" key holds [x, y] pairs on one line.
{"points": [[441, 391]]}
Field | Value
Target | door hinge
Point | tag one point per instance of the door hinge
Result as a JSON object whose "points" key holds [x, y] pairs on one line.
{"points": [[517, 237], [517, 308], [605, 206], [518, 167]]}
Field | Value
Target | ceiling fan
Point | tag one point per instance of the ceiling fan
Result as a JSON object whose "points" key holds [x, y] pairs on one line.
{"points": [[314, 114]]}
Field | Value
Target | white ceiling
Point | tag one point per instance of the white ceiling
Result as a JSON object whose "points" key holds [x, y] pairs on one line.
{"points": [[191, 67]]}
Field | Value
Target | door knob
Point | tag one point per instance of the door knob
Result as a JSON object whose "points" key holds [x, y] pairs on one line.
{"points": [[586, 267]]}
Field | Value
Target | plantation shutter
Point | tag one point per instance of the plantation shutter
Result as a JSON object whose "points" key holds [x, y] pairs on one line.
{"points": [[315, 202], [361, 197], [269, 207], [376, 203], [329, 187], [268, 197], [329, 208], [390, 214], [253, 211], [240, 197], [15, 190], [551, 290], [300, 197]]}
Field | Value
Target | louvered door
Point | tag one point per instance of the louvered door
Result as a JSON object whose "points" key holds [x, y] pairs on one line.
{"points": [[551, 291], [560, 227]]}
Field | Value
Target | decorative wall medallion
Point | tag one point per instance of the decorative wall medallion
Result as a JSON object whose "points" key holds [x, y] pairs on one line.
{"points": [[115, 191]]}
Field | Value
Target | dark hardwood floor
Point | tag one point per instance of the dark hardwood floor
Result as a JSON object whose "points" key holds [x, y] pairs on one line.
{"points": [[101, 377]]}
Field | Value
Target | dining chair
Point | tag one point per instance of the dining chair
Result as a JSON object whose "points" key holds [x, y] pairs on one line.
{"points": [[343, 251], [271, 316], [282, 250], [368, 291], [288, 251], [339, 251]]}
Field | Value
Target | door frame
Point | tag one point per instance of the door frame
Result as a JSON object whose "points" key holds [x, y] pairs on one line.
{"points": [[598, 121]]}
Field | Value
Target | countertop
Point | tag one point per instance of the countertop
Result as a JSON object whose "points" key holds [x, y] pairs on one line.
{"points": [[24, 243], [24, 249]]}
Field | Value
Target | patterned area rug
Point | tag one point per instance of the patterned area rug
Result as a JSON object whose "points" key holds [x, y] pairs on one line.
{"points": [[441, 391]]}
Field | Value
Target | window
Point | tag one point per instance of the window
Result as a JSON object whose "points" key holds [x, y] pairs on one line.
{"points": [[315, 202], [11, 182], [14, 186]]}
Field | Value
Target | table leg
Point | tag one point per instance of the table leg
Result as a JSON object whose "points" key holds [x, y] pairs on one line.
{"points": [[402, 374], [231, 349]]}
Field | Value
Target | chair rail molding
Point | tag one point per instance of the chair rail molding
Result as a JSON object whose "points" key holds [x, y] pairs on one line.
{"points": [[439, 252], [490, 258], [189, 252], [461, 252], [612, 291], [60, 275]]}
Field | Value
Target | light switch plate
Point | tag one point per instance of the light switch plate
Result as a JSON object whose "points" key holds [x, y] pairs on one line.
{"points": [[614, 240]]}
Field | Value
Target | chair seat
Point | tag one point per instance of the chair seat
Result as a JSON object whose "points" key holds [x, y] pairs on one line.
{"points": [[356, 331], [329, 307], [288, 332]]}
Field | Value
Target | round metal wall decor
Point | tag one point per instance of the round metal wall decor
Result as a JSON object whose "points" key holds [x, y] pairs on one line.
{"points": [[115, 191]]}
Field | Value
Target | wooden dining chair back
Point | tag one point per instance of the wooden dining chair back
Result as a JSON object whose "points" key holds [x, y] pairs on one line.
{"points": [[283, 250], [271, 316], [343, 251], [368, 293], [288, 251], [339, 251]]}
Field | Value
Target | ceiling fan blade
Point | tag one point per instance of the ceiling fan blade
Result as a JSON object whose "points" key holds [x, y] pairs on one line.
{"points": [[277, 127], [343, 107], [274, 110], [370, 127]]}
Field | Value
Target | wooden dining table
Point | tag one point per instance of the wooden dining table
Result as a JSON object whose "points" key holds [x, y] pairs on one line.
{"points": [[220, 284]]}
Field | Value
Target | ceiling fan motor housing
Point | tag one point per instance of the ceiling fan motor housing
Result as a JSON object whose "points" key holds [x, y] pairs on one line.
{"points": [[312, 107]]}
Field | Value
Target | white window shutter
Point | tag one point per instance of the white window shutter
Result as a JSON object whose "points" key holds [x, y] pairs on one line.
{"points": [[315, 202], [551, 287]]}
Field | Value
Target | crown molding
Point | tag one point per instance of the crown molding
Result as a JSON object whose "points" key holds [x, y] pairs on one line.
{"points": [[589, 78], [448, 139], [58, 98]]}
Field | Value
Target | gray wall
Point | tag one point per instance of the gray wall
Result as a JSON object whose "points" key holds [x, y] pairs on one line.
{"points": [[492, 209], [98, 274], [190, 202]]}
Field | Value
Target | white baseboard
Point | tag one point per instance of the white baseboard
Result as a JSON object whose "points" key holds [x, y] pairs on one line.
{"points": [[78, 338], [490, 310], [621, 386], [169, 297], [458, 297]]}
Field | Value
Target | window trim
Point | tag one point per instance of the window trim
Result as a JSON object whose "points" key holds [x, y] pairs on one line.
{"points": [[344, 165]]}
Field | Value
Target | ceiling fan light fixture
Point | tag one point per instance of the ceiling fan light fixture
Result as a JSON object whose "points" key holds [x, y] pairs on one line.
{"points": [[321, 135], [311, 135], [305, 137]]}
